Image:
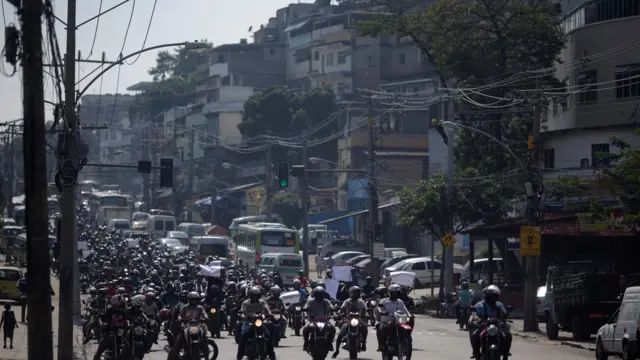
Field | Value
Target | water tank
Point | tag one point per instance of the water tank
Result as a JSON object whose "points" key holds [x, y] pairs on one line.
{"points": [[243, 41]]}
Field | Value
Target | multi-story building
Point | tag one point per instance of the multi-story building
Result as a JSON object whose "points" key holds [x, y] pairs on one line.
{"points": [[601, 66]]}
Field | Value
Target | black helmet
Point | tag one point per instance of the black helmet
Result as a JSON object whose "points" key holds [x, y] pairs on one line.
{"points": [[354, 292], [319, 293], [255, 292]]}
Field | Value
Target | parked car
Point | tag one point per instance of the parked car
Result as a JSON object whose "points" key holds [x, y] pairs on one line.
{"points": [[619, 336], [340, 259], [339, 245], [356, 259], [394, 260], [421, 266]]}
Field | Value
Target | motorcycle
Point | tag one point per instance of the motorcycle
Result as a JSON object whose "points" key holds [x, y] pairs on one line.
{"points": [[371, 305], [214, 322], [398, 342], [319, 344], [233, 316], [274, 328], [138, 339], [257, 345], [118, 341], [295, 318], [195, 336], [153, 331], [353, 341], [492, 336]]}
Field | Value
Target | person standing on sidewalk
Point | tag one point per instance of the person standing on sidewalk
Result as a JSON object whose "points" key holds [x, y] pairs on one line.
{"points": [[22, 287], [8, 324]]}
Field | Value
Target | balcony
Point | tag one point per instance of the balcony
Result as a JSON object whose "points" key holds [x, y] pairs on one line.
{"points": [[332, 34], [219, 69]]}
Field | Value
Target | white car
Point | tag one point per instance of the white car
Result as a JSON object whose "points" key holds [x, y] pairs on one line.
{"points": [[421, 266], [540, 304]]}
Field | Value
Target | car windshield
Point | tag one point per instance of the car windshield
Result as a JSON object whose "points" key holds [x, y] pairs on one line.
{"points": [[171, 242]]}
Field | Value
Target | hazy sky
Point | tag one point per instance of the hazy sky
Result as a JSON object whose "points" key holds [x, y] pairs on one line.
{"points": [[219, 21]]}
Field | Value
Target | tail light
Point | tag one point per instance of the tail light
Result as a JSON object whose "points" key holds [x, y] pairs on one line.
{"points": [[257, 257]]}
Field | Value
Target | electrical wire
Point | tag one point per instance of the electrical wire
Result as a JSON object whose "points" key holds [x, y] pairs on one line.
{"points": [[95, 32], [120, 56], [146, 35]]}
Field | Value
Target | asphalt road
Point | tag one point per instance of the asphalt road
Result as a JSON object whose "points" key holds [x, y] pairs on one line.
{"points": [[435, 339]]}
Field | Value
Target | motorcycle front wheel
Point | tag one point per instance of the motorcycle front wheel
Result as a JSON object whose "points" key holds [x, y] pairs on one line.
{"points": [[213, 349]]}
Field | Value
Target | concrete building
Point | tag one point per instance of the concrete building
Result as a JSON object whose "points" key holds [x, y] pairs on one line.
{"points": [[600, 65]]}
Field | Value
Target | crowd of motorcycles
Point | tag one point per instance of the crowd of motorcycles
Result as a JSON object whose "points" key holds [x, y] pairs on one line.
{"points": [[135, 294]]}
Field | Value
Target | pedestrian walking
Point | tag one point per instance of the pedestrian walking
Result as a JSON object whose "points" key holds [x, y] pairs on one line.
{"points": [[8, 324]]}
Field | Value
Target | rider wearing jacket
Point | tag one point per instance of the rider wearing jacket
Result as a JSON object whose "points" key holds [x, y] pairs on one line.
{"points": [[390, 305], [489, 308], [190, 311], [114, 315], [275, 303], [353, 305], [254, 305]]}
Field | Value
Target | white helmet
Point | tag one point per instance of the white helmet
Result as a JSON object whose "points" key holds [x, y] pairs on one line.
{"points": [[137, 300], [492, 289]]}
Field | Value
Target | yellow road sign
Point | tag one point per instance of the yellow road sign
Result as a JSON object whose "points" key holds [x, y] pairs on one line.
{"points": [[530, 240], [448, 240]]}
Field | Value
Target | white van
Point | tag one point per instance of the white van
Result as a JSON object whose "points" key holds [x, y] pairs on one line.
{"points": [[619, 337], [160, 224], [192, 229]]}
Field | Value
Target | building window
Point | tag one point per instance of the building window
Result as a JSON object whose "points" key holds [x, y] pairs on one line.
{"points": [[402, 58], [342, 56], [329, 59], [627, 81], [588, 90], [555, 105], [599, 155], [549, 158], [316, 55]]}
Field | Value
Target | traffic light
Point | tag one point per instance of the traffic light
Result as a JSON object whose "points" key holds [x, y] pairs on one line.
{"points": [[377, 233], [297, 170], [283, 175], [144, 167], [166, 173]]}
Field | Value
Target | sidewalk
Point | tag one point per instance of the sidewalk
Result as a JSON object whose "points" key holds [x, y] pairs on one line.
{"points": [[564, 338], [20, 348]]}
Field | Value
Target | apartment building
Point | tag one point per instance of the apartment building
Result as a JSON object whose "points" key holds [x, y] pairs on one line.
{"points": [[601, 66]]}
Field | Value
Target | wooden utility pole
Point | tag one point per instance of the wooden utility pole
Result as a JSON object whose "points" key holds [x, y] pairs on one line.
{"points": [[35, 168]]}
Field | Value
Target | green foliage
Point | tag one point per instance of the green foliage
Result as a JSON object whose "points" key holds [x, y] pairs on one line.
{"points": [[426, 207], [279, 112], [474, 43], [173, 82]]}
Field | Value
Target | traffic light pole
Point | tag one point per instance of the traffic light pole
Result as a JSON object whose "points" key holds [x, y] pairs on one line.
{"points": [[304, 198], [374, 268]]}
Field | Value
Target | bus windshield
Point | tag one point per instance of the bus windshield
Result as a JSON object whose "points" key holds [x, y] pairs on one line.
{"points": [[116, 200], [277, 238], [213, 250]]}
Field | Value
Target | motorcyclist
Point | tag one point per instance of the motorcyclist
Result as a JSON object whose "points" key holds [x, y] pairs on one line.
{"points": [[328, 274], [368, 289], [465, 296], [297, 287], [353, 305], [277, 279], [174, 323], [275, 303], [114, 314], [304, 281], [135, 310], [489, 308], [343, 292], [318, 307], [390, 305], [97, 304], [253, 305], [190, 311], [170, 298]]}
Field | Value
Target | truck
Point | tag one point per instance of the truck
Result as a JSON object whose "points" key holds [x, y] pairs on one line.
{"points": [[107, 213], [580, 297]]}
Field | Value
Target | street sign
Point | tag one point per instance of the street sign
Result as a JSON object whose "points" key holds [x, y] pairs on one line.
{"points": [[378, 250], [448, 240], [530, 240]]}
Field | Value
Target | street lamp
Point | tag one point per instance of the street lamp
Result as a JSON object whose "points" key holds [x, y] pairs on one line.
{"points": [[187, 44], [227, 165], [317, 160]]}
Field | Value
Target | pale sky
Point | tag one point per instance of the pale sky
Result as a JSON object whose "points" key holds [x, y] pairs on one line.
{"points": [[219, 21]]}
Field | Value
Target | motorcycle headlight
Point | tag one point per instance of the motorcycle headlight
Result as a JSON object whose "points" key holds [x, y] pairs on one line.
{"points": [[193, 330], [402, 320], [213, 310], [298, 308], [138, 330], [320, 325], [120, 332], [373, 303], [492, 330], [276, 316], [354, 322], [258, 323]]}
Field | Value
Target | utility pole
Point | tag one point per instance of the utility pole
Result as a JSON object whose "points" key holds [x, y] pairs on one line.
{"points": [[12, 172], [448, 251], [192, 170], [35, 168], [68, 248], [304, 199], [374, 268], [534, 219], [268, 181], [145, 177]]}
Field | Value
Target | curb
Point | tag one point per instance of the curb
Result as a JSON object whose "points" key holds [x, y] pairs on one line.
{"points": [[577, 345]]}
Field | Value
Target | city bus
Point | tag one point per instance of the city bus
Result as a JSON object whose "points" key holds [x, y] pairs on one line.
{"points": [[253, 241], [252, 219], [99, 201]]}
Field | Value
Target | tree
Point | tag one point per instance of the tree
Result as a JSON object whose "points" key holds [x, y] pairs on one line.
{"points": [[478, 42], [173, 81], [279, 112], [428, 207]]}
